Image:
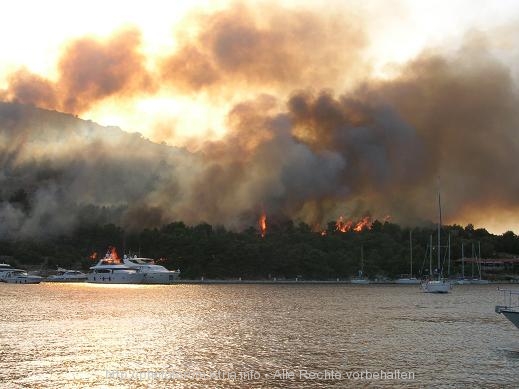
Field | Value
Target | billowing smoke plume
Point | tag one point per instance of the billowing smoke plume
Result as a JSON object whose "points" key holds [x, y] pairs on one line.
{"points": [[58, 172], [234, 49], [89, 71], [266, 47], [299, 149]]}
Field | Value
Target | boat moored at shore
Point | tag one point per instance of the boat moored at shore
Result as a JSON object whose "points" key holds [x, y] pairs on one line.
{"points": [[110, 270], [153, 273], [4, 269], [437, 286], [64, 275], [407, 281], [19, 276]]}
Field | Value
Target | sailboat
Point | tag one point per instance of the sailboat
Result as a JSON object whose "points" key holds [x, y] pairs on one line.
{"points": [[360, 279], [462, 280], [439, 285], [479, 281], [409, 280]]}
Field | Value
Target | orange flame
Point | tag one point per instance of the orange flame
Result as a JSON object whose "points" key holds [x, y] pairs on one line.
{"points": [[93, 256], [263, 224], [112, 255], [362, 224], [343, 226]]}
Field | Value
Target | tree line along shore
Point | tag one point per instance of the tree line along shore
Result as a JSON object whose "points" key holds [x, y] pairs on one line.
{"points": [[286, 251]]}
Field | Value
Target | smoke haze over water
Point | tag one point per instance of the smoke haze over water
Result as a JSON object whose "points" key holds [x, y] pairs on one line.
{"points": [[310, 134]]}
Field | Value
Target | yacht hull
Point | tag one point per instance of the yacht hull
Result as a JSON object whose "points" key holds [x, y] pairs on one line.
{"points": [[23, 280], [115, 278], [408, 281], [436, 287], [479, 282], [360, 282], [162, 278], [57, 279]]}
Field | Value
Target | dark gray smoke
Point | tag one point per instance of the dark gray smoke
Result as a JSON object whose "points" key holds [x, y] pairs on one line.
{"points": [[65, 171]]}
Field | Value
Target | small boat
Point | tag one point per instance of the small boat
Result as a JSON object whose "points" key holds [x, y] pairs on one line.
{"points": [[479, 281], [511, 308], [153, 273], [439, 285], [64, 275], [19, 276], [403, 280], [360, 280], [462, 280], [408, 281], [110, 270]]}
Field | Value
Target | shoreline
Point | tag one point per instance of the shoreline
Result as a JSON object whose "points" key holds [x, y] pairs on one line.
{"points": [[312, 282]]}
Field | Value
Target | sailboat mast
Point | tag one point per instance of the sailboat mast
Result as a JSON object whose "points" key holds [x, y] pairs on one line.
{"points": [[439, 225], [449, 257], [411, 250], [472, 260], [430, 257], [479, 258], [362, 258], [462, 262]]}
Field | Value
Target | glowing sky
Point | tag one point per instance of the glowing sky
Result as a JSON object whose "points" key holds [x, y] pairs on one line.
{"points": [[34, 34]]}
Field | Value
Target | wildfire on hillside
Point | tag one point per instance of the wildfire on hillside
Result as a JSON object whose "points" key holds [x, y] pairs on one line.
{"points": [[351, 225], [263, 224]]}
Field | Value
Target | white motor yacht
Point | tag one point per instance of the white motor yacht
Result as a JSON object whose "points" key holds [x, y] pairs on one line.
{"points": [[110, 270], [153, 273], [19, 276], [64, 275], [4, 269]]}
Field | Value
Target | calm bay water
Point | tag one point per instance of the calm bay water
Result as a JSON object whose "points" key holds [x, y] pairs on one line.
{"points": [[226, 336]]}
